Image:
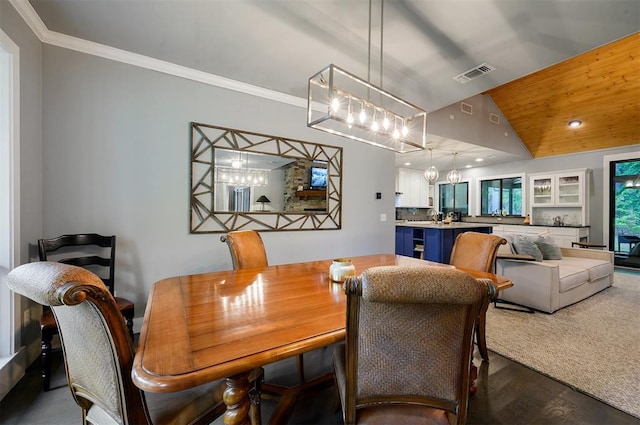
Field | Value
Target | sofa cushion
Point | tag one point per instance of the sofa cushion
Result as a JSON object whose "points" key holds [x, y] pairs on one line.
{"points": [[523, 245], [549, 249], [571, 276], [596, 269], [508, 247]]}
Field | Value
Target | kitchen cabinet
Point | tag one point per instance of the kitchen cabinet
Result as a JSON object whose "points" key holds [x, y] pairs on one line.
{"points": [[563, 236], [432, 242], [560, 198], [413, 190]]}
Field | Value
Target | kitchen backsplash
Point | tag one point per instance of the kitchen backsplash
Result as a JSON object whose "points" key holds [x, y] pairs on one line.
{"points": [[414, 214]]}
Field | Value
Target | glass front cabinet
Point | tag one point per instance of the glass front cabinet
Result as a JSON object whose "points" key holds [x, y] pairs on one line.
{"points": [[560, 198]]}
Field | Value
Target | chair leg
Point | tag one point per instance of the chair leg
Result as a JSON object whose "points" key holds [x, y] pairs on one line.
{"points": [[128, 317], [300, 365], [45, 361], [481, 326]]}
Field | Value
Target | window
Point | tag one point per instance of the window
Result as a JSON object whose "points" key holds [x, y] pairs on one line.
{"points": [[501, 196], [454, 197]]}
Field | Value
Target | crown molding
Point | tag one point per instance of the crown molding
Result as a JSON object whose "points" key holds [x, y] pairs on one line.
{"points": [[28, 13]]}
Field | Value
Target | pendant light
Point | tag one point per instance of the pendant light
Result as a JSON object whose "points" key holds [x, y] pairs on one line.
{"points": [[378, 117], [454, 176], [431, 175]]}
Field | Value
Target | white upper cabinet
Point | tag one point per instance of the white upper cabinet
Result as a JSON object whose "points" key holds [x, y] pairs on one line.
{"points": [[413, 190], [559, 196]]}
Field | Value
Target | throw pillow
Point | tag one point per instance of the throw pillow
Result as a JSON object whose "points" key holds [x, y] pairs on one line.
{"points": [[524, 245], [549, 249]]}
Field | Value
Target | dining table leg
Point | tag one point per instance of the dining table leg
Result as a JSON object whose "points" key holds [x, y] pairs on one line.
{"points": [[236, 397]]}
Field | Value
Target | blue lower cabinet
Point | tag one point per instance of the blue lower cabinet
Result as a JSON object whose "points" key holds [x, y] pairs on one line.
{"points": [[437, 242], [404, 241]]}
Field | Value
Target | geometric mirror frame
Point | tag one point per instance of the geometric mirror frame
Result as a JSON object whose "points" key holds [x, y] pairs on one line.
{"points": [[205, 218]]}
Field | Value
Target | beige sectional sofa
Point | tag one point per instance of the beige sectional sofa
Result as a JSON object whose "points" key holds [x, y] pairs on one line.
{"points": [[549, 285]]}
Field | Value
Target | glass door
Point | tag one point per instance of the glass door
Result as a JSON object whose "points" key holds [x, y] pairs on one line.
{"points": [[624, 212]]}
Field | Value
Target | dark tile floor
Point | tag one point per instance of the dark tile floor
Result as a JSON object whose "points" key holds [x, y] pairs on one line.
{"points": [[509, 393]]}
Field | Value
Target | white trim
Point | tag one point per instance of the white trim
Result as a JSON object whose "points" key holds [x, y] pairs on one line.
{"points": [[12, 365], [34, 22], [606, 162]]}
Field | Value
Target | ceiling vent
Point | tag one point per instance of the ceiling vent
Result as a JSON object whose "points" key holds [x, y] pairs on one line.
{"points": [[466, 108], [494, 118], [473, 73]]}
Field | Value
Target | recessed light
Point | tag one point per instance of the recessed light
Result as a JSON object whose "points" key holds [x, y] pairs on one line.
{"points": [[479, 159], [468, 166], [407, 163], [574, 123]]}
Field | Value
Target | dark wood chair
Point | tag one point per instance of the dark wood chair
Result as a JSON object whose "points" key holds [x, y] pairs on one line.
{"points": [[93, 252], [408, 352], [247, 249], [247, 252], [477, 251], [99, 354]]}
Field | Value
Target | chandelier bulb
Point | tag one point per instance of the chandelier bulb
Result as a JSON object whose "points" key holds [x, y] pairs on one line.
{"points": [[363, 115], [335, 104], [385, 122]]}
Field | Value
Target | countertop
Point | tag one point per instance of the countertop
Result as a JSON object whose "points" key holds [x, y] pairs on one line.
{"points": [[468, 225], [433, 225]]}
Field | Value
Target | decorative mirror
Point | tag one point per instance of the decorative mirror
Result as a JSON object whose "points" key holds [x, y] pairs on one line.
{"points": [[244, 180]]}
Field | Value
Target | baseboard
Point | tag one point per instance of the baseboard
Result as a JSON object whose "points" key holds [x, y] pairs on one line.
{"points": [[12, 369]]}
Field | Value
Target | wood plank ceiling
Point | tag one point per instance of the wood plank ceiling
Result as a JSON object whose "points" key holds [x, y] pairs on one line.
{"points": [[601, 88]]}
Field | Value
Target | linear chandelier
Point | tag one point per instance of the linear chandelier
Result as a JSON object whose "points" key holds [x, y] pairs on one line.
{"points": [[239, 174], [343, 104], [242, 177]]}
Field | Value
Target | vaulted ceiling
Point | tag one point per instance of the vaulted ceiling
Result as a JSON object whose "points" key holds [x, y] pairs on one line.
{"points": [[553, 61], [600, 88]]}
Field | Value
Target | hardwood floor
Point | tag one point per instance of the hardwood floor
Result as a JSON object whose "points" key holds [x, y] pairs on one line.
{"points": [[508, 393]]}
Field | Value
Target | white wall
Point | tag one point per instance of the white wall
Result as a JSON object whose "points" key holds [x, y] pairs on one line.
{"points": [[116, 148]]}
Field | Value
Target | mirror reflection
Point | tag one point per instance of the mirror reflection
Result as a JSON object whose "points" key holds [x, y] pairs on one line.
{"points": [[245, 180], [257, 182]]}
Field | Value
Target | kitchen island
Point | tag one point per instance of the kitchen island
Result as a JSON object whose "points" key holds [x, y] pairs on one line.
{"points": [[432, 241]]}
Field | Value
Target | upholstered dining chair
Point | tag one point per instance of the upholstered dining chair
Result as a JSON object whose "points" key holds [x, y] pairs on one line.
{"points": [[98, 352], [248, 251], [97, 254], [408, 352], [478, 251]]}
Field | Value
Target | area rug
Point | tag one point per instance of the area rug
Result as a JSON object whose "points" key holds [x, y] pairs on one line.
{"points": [[592, 346]]}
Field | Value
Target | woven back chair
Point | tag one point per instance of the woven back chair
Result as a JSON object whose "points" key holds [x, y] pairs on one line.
{"points": [[98, 352], [408, 351], [476, 251]]}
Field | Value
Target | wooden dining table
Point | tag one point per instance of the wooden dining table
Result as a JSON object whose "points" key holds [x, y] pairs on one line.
{"points": [[204, 327]]}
